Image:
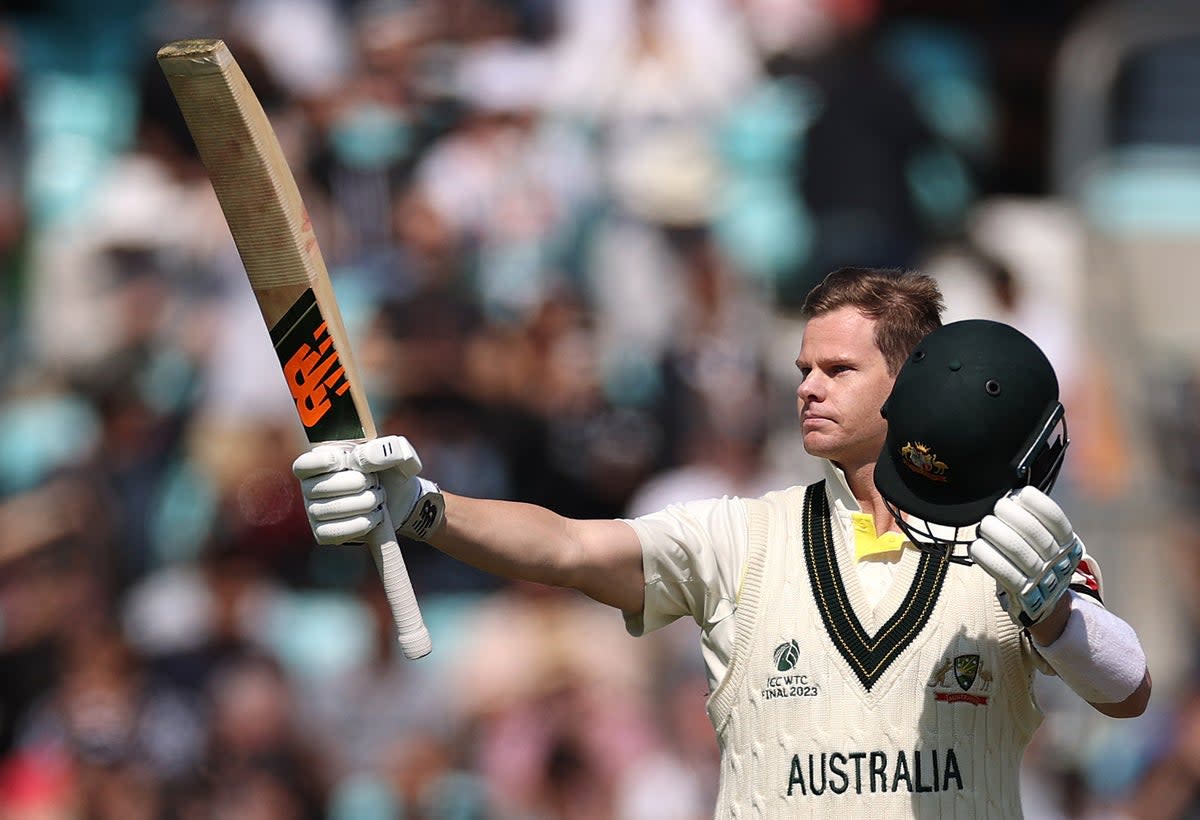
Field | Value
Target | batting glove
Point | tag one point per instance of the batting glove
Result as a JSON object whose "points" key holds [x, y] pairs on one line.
{"points": [[345, 488], [1029, 546]]}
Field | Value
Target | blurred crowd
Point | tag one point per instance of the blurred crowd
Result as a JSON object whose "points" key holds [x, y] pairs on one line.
{"points": [[570, 239]]}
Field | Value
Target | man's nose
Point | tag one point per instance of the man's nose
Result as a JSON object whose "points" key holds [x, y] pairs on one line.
{"points": [[810, 388]]}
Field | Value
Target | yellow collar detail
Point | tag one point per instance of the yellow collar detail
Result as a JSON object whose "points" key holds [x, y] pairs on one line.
{"points": [[866, 542]]}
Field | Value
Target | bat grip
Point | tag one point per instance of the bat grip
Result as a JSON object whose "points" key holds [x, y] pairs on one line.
{"points": [[410, 627]]}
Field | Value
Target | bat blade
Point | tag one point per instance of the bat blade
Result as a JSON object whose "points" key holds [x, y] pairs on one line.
{"points": [[275, 240]]}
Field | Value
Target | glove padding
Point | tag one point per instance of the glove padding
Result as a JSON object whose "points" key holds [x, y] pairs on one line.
{"points": [[346, 487], [1029, 546]]}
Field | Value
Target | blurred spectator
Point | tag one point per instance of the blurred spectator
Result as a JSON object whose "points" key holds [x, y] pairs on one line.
{"points": [[257, 759], [363, 712], [867, 157], [1170, 786], [562, 721], [52, 569], [39, 784], [513, 186], [128, 736]]}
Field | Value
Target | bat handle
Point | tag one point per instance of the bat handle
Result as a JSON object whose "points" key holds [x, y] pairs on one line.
{"points": [[410, 626]]}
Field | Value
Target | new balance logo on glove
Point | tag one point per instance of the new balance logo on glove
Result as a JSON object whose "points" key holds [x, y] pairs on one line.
{"points": [[426, 513]]}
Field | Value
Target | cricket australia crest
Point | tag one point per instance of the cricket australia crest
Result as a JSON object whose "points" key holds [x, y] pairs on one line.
{"points": [[919, 458], [961, 679], [966, 667]]}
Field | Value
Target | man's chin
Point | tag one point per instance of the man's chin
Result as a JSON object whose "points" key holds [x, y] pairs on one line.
{"points": [[827, 448], [818, 445]]}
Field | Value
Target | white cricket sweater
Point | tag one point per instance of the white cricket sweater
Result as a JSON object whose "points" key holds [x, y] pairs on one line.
{"points": [[918, 707]]}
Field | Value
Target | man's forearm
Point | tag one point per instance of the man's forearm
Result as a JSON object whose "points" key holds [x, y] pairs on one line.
{"points": [[522, 541], [510, 539], [1099, 656]]}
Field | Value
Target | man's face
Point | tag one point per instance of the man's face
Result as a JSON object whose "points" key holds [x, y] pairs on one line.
{"points": [[844, 383]]}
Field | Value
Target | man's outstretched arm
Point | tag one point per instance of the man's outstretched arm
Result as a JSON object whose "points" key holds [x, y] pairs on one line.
{"points": [[601, 558]]}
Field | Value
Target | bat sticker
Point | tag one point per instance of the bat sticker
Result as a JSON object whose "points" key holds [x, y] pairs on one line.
{"points": [[314, 372]]}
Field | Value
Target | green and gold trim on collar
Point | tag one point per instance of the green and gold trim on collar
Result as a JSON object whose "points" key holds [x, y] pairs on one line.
{"points": [[868, 655]]}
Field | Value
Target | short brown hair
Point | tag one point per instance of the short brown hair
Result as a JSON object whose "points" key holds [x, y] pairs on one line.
{"points": [[906, 306]]}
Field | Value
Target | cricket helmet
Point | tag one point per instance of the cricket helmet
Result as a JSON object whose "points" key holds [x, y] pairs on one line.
{"points": [[973, 415]]}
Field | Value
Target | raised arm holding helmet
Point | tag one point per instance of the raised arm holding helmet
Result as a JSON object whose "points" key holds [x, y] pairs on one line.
{"points": [[976, 439]]}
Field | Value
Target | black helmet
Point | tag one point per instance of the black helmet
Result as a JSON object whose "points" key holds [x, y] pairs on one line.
{"points": [[974, 414]]}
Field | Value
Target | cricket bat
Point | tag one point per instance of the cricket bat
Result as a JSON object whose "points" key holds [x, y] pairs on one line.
{"points": [[275, 240]]}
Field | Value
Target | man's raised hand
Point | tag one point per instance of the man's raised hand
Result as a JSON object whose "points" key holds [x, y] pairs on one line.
{"points": [[1029, 546], [345, 488]]}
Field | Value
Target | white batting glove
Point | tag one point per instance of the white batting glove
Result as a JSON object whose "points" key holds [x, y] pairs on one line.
{"points": [[346, 487], [1029, 546]]}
